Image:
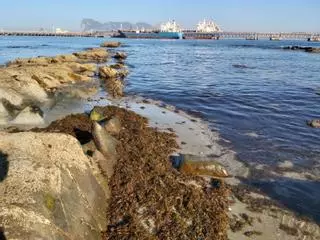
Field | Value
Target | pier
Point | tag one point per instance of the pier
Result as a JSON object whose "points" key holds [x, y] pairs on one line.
{"points": [[192, 34], [53, 34], [188, 34]]}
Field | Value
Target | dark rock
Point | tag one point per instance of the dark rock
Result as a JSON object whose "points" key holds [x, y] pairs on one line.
{"points": [[314, 123], [120, 55]]}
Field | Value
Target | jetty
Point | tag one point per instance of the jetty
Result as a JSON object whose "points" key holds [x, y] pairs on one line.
{"points": [[193, 34], [56, 34], [188, 34]]}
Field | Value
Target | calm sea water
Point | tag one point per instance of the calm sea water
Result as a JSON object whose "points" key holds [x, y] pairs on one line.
{"points": [[257, 95]]}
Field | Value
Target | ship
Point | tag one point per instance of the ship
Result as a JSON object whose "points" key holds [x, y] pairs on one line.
{"points": [[252, 37], [314, 39], [206, 29], [168, 30], [275, 37]]}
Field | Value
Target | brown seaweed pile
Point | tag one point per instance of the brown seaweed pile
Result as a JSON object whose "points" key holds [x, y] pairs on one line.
{"points": [[77, 125], [149, 198]]}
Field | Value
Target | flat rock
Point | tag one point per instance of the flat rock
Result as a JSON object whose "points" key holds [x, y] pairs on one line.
{"points": [[110, 44]]}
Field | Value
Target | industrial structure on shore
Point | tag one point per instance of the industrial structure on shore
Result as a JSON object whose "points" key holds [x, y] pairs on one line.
{"points": [[206, 29]]}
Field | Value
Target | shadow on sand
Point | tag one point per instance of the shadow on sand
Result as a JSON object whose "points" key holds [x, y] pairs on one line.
{"points": [[4, 166]]}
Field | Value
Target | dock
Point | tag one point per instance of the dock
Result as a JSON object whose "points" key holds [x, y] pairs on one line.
{"points": [[53, 34], [192, 34], [188, 34]]}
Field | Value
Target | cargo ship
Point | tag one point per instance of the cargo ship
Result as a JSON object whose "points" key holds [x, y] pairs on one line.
{"points": [[168, 30], [314, 39], [206, 29]]}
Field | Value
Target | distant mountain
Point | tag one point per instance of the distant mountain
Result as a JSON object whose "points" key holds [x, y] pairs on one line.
{"points": [[88, 24]]}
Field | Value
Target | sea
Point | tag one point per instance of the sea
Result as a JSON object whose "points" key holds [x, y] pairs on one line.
{"points": [[257, 95]]}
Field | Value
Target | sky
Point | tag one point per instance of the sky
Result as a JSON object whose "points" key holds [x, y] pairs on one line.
{"points": [[230, 15]]}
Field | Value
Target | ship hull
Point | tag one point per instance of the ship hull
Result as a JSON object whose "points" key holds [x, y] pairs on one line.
{"points": [[150, 35]]}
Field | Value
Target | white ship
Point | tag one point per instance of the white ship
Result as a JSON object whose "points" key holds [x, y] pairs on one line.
{"points": [[168, 30], [208, 26], [170, 26]]}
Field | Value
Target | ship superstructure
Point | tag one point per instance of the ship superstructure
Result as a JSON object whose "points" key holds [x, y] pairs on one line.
{"points": [[208, 26]]}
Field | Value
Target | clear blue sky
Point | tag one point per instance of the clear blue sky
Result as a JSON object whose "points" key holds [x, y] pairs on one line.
{"points": [[232, 15]]}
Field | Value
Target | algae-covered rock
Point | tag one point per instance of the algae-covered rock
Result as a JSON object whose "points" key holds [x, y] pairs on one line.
{"points": [[110, 44], [48, 190]]}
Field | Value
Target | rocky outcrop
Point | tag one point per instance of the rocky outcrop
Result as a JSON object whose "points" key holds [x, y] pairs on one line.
{"points": [[107, 72], [93, 54], [305, 49], [49, 189], [120, 55], [113, 79], [31, 82], [110, 44]]}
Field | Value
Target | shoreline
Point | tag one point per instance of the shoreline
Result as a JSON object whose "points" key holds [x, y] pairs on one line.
{"points": [[194, 137]]}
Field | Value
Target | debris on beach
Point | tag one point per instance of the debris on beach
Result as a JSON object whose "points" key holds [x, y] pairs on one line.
{"points": [[199, 165]]}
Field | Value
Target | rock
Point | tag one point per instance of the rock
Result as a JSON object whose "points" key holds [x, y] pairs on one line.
{"points": [[312, 50], [113, 125], [114, 87], [31, 115], [314, 123], [286, 164], [301, 48], [120, 55], [107, 72], [82, 68], [106, 144], [110, 44], [48, 190], [117, 66], [122, 73], [93, 55], [197, 165]]}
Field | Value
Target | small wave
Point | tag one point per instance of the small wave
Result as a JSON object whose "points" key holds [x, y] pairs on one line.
{"points": [[27, 46], [13, 46]]}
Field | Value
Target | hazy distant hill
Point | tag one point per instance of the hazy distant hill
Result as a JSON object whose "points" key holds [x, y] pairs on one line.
{"points": [[92, 25]]}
